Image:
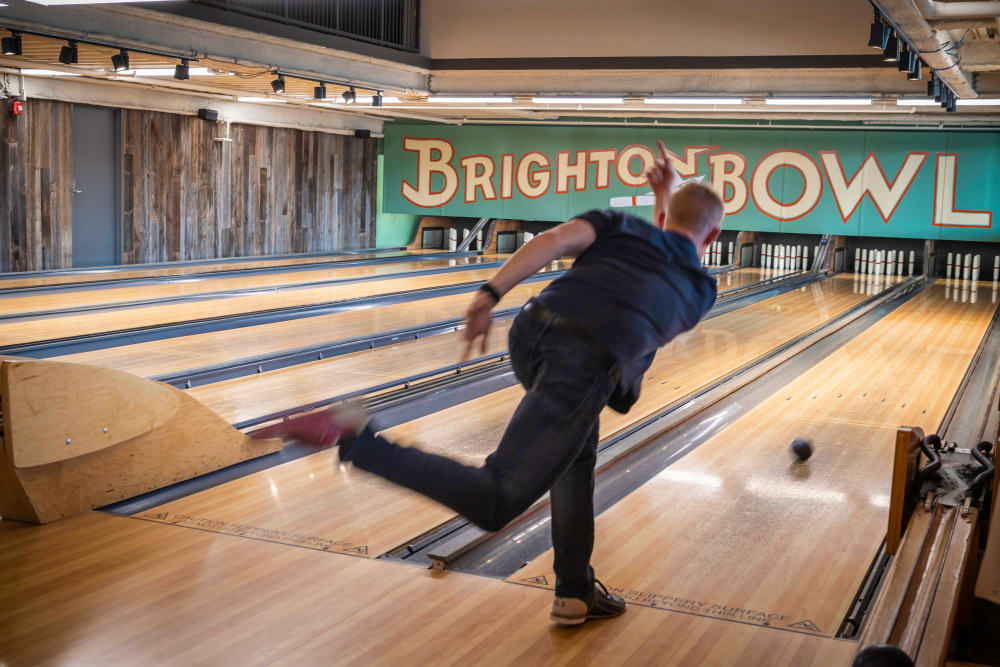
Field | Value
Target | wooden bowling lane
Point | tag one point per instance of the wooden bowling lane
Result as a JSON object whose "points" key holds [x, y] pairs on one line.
{"points": [[104, 296], [737, 530], [240, 399], [99, 589], [71, 325], [359, 513], [738, 278], [176, 354], [486, 622], [126, 272]]}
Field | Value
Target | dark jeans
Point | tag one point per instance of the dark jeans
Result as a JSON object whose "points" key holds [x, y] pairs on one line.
{"points": [[550, 445]]}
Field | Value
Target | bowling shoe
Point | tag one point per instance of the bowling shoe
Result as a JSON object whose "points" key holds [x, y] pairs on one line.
{"points": [[323, 428], [599, 604]]}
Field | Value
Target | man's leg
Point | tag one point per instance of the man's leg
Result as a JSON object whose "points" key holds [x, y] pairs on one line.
{"points": [[572, 499], [567, 387], [545, 436]]}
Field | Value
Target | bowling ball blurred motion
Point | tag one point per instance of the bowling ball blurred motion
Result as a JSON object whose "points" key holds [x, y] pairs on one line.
{"points": [[802, 448], [882, 655]]}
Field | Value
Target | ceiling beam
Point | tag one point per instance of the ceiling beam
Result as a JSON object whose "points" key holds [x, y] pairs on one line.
{"points": [[980, 56], [150, 97], [138, 27]]}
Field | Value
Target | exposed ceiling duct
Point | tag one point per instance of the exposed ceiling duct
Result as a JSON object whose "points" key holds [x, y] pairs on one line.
{"points": [[932, 9], [905, 16]]}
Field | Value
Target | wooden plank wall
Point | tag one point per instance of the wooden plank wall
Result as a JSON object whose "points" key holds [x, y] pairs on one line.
{"points": [[268, 191], [36, 178]]}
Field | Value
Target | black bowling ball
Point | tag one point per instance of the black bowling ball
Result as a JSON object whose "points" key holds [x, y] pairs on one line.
{"points": [[882, 655]]}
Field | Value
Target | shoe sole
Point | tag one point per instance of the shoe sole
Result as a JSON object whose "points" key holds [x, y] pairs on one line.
{"points": [[580, 620]]}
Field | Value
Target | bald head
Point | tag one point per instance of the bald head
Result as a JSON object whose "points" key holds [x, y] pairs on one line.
{"points": [[695, 211]]}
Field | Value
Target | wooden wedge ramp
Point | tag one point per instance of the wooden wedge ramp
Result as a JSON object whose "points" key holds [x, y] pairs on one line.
{"points": [[77, 437]]}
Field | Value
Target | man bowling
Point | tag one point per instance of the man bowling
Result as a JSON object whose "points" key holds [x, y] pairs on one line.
{"points": [[582, 344]]}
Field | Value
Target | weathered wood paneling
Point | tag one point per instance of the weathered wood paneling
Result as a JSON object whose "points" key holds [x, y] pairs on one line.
{"points": [[36, 177], [185, 196], [270, 190]]}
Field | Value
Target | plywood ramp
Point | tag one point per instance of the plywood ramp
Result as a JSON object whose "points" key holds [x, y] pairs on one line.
{"points": [[77, 437], [343, 509], [737, 528], [98, 589], [26, 331], [34, 303], [124, 272]]}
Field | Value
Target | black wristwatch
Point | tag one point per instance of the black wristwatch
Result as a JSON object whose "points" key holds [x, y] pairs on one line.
{"points": [[489, 289]]}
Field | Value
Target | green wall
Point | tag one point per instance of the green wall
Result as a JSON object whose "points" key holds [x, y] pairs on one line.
{"points": [[392, 229], [890, 183]]}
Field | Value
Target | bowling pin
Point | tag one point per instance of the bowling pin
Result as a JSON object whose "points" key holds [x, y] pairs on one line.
{"points": [[967, 266], [899, 264], [975, 267], [857, 260], [912, 260], [890, 263], [452, 239], [864, 261], [996, 268], [948, 270], [730, 254]]}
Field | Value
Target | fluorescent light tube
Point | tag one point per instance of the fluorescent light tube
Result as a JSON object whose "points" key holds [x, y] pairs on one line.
{"points": [[47, 72], [577, 100], [445, 99], [693, 100], [818, 101], [278, 100], [918, 102]]}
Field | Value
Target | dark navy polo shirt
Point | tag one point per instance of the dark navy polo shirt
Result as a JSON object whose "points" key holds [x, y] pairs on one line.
{"points": [[635, 288]]}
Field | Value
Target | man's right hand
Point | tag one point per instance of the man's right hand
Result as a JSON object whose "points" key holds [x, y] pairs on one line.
{"points": [[662, 178], [478, 321]]}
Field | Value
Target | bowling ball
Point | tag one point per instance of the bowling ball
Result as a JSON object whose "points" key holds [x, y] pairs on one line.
{"points": [[802, 448], [882, 655]]}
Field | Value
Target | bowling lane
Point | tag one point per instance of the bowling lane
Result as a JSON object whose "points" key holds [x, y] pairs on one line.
{"points": [[34, 303], [738, 531], [184, 352], [13, 280], [98, 589], [176, 354], [739, 278], [240, 399], [71, 325], [353, 512]]}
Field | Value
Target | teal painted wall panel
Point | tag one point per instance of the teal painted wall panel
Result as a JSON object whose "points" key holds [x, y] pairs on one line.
{"points": [[392, 229], [845, 171]]}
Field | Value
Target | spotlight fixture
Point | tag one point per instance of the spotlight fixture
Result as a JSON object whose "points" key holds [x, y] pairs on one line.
{"points": [[914, 74], [934, 88], [120, 61], [878, 34], [890, 53], [319, 92], [904, 58], [183, 71], [12, 44], [377, 100], [278, 85], [945, 97], [952, 102], [69, 54], [350, 95]]}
